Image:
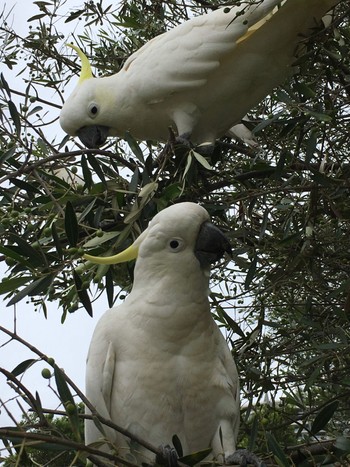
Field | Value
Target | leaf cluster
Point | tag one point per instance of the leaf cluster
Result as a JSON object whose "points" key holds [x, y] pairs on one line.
{"points": [[284, 300]]}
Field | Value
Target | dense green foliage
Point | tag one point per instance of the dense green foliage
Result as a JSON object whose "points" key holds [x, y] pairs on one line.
{"points": [[285, 298]]}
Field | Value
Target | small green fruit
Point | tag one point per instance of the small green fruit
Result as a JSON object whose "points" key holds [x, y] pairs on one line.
{"points": [[46, 373], [70, 408]]}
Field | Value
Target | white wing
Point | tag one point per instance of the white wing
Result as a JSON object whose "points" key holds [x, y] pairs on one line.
{"points": [[100, 369], [184, 57]]}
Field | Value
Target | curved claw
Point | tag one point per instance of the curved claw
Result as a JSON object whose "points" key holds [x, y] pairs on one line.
{"points": [[244, 457], [167, 456]]}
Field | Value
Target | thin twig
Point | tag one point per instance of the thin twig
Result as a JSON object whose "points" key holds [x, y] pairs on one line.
{"points": [[39, 438]]}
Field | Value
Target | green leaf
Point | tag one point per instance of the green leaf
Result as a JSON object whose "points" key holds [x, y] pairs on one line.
{"points": [[253, 435], [148, 190], [343, 444], [202, 160], [188, 165], [35, 288], [129, 22], [87, 175], [82, 293], [231, 322], [27, 250], [97, 168], [7, 154], [195, 457], [4, 84], [110, 287], [67, 400], [15, 117], [71, 224], [86, 211], [311, 146], [321, 117], [56, 240], [305, 90], [177, 445], [36, 17], [23, 366], [323, 417], [74, 15], [28, 187], [283, 97], [251, 273], [134, 146], [96, 241], [10, 285], [277, 451], [62, 386]]}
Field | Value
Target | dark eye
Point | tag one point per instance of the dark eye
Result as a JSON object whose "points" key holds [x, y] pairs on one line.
{"points": [[175, 244], [93, 110]]}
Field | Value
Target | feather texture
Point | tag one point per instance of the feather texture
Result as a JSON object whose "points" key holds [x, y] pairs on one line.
{"points": [[158, 364], [201, 77]]}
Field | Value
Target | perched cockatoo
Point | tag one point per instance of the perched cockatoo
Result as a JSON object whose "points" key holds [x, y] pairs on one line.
{"points": [[199, 78], [158, 364]]}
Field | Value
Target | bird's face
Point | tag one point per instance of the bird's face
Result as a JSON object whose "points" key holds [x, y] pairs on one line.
{"points": [[86, 112], [180, 235]]}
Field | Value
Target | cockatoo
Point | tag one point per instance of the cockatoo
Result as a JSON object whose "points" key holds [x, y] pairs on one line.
{"points": [[199, 78], [158, 364]]}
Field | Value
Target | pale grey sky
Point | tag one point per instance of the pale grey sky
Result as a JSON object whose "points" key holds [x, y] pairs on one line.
{"points": [[67, 343]]}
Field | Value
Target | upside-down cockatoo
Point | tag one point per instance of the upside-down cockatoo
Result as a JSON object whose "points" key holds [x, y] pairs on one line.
{"points": [[199, 78], [158, 364]]}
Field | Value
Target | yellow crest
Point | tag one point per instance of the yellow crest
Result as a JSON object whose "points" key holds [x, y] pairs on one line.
{"points": [[86, 71]]}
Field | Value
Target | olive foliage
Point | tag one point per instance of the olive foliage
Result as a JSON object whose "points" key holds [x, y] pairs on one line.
{"points": [[283, 301]]}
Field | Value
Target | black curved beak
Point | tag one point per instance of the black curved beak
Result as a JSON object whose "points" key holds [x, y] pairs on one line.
{"points": [[93, 136], [211, 245]]}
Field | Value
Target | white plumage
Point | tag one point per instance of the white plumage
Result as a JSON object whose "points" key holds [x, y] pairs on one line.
{"points": [[158, 364], [199, 78]]}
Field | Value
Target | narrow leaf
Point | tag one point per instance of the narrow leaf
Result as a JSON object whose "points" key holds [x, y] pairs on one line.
{"points": [[148, 189], [36, 287], [56, 239], [26, 250], [82, 293], [323, 417], [4, 84], [28, 187], [253, 435], [311, 146], [10, 285], [96, 241], [177, 445], [110, 287], [71, 224], [277, 451], [22, 367], [87, 210], [67, 400], [343, 444], [86, 172], [251, 273], [134, 146], [195, 457], [321, 117], [202, 160], [97, 168], [232, 323], [15, 117], [188, 165], [7, 154]]}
